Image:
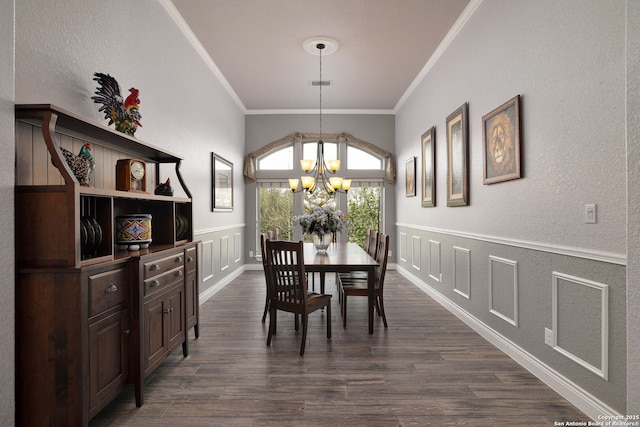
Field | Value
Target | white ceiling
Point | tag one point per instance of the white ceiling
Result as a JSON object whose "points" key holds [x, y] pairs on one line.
{"points": [[257, 46]]}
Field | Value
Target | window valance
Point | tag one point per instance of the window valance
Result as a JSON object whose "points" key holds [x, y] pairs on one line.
{"points": [[250, 160]]}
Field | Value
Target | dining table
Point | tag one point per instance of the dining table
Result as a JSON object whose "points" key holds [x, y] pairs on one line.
{"points": [[343, 258]]}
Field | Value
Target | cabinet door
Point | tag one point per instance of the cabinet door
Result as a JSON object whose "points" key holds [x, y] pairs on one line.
{"points": [[176, 318], [108, 350], [191, 288], [155, 336]]}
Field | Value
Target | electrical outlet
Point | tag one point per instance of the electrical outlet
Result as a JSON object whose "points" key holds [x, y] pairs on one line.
{"points": [[590, 213], [548, 336], [250, 254]]}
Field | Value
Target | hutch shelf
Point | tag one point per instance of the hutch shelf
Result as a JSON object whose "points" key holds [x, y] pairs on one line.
{"points": [[92, 317]]}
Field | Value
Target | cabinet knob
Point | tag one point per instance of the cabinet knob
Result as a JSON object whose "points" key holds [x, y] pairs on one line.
{"points": [[179, 273], [168, 310], [190, 259], [126, 332], [154, 267], [178, 259], [154, 283], [111, 288]]}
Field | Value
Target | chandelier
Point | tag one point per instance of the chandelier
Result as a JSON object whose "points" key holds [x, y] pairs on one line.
{"points": [[318, 173]]}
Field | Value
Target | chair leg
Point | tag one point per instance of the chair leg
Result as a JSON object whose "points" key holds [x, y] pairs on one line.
{"points": [[266, 309], [344, 310], [272, 325], [304, 333], [329, 320], [381, 304]]}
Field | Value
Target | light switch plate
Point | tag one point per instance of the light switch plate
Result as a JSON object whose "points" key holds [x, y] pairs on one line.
{"points": [[590, 213]]}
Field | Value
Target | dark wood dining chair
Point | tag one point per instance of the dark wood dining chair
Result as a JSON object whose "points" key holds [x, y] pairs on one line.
{"points": [[288, 287], [263, 251], [357, 286], [370, 246]]}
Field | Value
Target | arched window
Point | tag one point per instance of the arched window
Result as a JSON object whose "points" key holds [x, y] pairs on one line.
{"points": [[358, 159], [278, 160]]}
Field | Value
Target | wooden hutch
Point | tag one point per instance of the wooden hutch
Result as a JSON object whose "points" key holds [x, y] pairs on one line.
{"points": [[92, 318]]}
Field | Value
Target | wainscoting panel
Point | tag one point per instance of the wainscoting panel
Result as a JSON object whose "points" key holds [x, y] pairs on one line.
{"points": [[207, 260], [237, 247], [581, 322], [462, 271], [521, 290], [435, 264], [221, 256], [403, 247], [224, 253], [416, 252], [503, 289]]}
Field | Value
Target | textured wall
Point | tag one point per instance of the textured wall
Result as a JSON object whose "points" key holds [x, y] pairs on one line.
{"points": [[7, 155], [633, 204], [59, 45], [566, 60]]}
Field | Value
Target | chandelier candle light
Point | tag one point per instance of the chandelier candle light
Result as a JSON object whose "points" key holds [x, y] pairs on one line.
{"points": [[316, 174]]}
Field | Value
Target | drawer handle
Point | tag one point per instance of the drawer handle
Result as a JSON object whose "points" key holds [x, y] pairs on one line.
{"points": [[154, 267], [111, 289], [179, 273], [178, 259], [190, 259], [154, 283]]}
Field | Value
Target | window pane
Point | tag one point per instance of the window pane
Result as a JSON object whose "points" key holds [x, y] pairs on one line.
{"points": [[279, 160], [358, 159], [276, 210], [364, 211], [310, 150]]}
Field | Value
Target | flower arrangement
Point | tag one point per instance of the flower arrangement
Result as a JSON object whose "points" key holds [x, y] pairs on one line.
{"points": [[323, 219]]}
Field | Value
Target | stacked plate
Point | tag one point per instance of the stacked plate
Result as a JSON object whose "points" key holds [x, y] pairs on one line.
{"points": [[90, 236]]}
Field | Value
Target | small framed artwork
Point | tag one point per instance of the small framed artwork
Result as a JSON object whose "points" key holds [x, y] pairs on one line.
{"points": [[457, 153], [410, 180], [429, 168], [221, 184], [501, 143]]}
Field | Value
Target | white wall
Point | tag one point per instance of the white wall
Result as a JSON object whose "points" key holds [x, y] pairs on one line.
{"points": [[59, 45], [7, 156], [633, 206], [566, 60]]}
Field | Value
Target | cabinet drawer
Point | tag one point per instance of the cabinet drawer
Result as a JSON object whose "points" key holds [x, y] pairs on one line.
{"points": [[162, 265], [161, 282], [190, 260], [107, 290]]}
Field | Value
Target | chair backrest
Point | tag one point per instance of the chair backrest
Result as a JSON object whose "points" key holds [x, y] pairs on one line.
{"points": [[373, 243], [382, 255], [285, 263]]}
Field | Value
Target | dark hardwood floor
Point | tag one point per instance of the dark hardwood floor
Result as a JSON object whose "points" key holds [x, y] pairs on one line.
{"points": [[427, 369]]}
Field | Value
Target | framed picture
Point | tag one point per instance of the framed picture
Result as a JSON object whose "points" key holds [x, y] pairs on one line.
{"points": [[221, 184], [429, 168], [457, 153], [410, 180], [501, 143]]}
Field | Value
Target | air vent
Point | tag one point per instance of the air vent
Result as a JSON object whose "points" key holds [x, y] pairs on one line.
{"points": [[321, 82]]}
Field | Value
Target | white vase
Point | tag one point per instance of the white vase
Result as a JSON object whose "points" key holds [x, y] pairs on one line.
{"points": [[321, 242]]}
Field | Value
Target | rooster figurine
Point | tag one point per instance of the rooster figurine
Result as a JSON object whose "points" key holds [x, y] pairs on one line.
{"points": [[124, 115], [85, 153], [81, 164]]}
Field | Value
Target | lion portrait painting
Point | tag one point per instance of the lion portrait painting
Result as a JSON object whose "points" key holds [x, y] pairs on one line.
{"points": [[502, 143]]}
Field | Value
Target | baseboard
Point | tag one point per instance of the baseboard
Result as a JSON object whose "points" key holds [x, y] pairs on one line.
{"points": [[580, 398]]}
